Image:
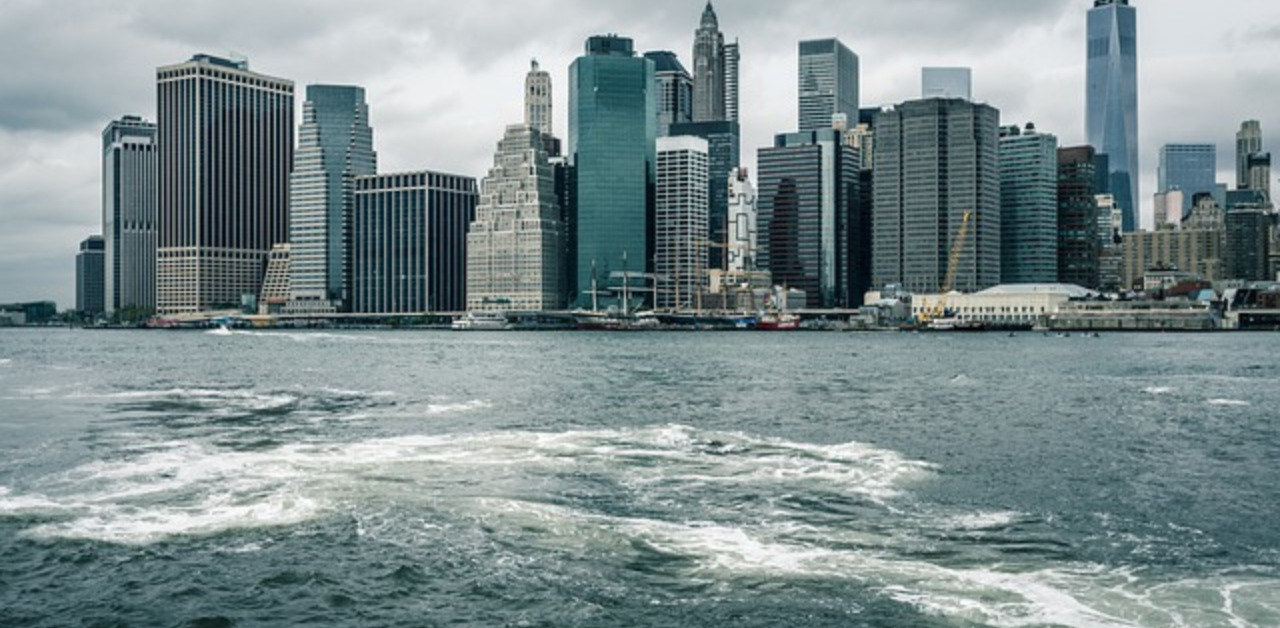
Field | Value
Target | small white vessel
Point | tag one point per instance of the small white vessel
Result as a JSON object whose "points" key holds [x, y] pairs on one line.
{"points": [[483, 321]]}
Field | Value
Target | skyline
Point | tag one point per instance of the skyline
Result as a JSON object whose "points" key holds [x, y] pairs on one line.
{"points": [[50, 122]]}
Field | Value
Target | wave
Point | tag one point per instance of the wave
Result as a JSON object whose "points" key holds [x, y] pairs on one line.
{"points": [[1159, 390], [1229, 403]]}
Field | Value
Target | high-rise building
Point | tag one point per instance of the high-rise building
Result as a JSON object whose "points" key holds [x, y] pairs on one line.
{"points": [[1029, 206], [129, 214], [947, 83], [828, 83], [1079, 242], [743, 242], [681, 215], [91, 294], [1248, 247], [1110, 239], [335, 145], [709, 69], [809, 218], [515, 246], [732, 84], [1260, 173], [1197, 248], [1191, 168], [937, 160], [673, 88], [1248, 142], [409, 243], [612, 131], [723, 140], [1169, 208], [1112, 94], [539, 101], [225, 154]]}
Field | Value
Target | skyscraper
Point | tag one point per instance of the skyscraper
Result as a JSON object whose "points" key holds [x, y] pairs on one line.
{"points": [[225, 153], [335, 145], [709, 69], [1079, 242], [515, 244], [90, 276], [1248, 143], [681, 215], [129, 214], [732, 84], [1029, 206], [1112, 94], [937, 160], [743, 240], [1260, 173], [723, 142], [947, 83], [612, 130], [539, 101], [828, 83], [1191, 168], [673, 87], [810, 217], [409, 242]]}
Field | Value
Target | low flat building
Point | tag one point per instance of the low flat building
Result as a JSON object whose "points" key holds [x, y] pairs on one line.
{"points": [[1006, 305], [1134, 316]]}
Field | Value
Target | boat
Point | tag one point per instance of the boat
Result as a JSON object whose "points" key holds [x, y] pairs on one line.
{"points": [[483, 321], [616, 321], [778, 321]]}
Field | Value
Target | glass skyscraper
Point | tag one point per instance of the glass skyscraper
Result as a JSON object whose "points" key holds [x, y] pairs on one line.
{"points": [[1112, 109], [828, 84], [1079, 242], [612, 132], [90, 273], [1029, 206], [129, 214], [335, 145], [1191, 168], [673, 88]]}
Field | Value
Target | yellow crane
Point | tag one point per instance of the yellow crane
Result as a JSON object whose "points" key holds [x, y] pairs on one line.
{"points": [[939, 309]]}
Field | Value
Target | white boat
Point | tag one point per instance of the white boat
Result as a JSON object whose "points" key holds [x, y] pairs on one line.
{"points": [[483, 321]]}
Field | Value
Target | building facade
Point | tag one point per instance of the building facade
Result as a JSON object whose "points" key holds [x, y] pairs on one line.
{"points": [[91, 292], [539, 100], [1189, 168], [1248, 245], [516, 244], [225, 153], [732, 84], [612, 133], [673, 87], [709, 69], [335, 145], [1112, 96], [947, 83], [1248, 143], [680, 264], [1079, 242], [409, 242], [1197, 250], [937, 160], [723, 140], [809, 216], [129, 191], [743, 242], [828, 78], [1028, 206]]}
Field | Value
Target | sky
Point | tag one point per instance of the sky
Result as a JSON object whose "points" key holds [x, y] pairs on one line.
{"points": [[444, 78]]}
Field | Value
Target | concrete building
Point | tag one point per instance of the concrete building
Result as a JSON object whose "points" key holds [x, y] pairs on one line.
{"points": [[1028, 206], [539, 101], [723, 139], [516, 243], [225, 154], [409, 242], [1009, 305], [947, 83], [937, 160], [1112, 99], [743, 242], [810, 218], [1168, 208], [828, 77], [1189, 168], [91, 293], [732, 84], [276, 282], [612, 133], [1260, 173], [709, 70], [129, 192], [1197, 248], [335, 145], [1248, 143], [681, 228], [1079, 242]]}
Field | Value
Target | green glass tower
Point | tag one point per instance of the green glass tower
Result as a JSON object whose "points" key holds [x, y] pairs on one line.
{"points": [[612, 134]]}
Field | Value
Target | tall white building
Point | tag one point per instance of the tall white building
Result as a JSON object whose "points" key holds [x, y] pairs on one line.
{"points": [[538, 107], [743, 219], [681, 220], [516, 242]]}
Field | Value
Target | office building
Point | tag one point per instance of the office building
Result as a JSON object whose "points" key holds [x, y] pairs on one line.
{"points": [[1079, 242], [709, 69], [723, 140], [225, 154], [1191, 168], [516, 243], [828, 80], [1110, 240], [612, 131], [936, 161], [947, 83], [409, 243], [809, 218], [129, 215], [743, 242], [91, 293], [276, 282], [539, 107], [1248, 143], [1248, 245], [732, 84], [335, 145], [1028, 206], [1112, 95], [673, 87], [1169, 208], [1260, 173], [681, 228]]}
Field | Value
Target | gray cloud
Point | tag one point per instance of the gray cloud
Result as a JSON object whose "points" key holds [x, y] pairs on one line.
{"points": [[445, 77]]}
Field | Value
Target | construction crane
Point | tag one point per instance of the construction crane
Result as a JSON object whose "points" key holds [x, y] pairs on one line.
{"points": [[939, 310]]}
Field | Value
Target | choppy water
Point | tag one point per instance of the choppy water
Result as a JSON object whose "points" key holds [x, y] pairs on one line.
{"points": [[437, 479]]}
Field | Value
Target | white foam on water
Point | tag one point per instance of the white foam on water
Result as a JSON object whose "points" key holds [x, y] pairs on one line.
{"points": [[456, 408], [980, 521], [6, 362], [1159, 390], [1229, 403]]}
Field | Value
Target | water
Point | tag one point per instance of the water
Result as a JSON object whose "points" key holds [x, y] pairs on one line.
{"points": [[438, 479]]}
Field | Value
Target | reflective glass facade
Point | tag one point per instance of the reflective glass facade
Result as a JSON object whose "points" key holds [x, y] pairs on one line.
{"points": [[1112, 99], [1079, 240], [828, 83], [1191, 168], [1029, 207]]}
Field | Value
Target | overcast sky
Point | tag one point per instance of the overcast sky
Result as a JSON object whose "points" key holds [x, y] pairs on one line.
{"points": [[444, 77]]}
